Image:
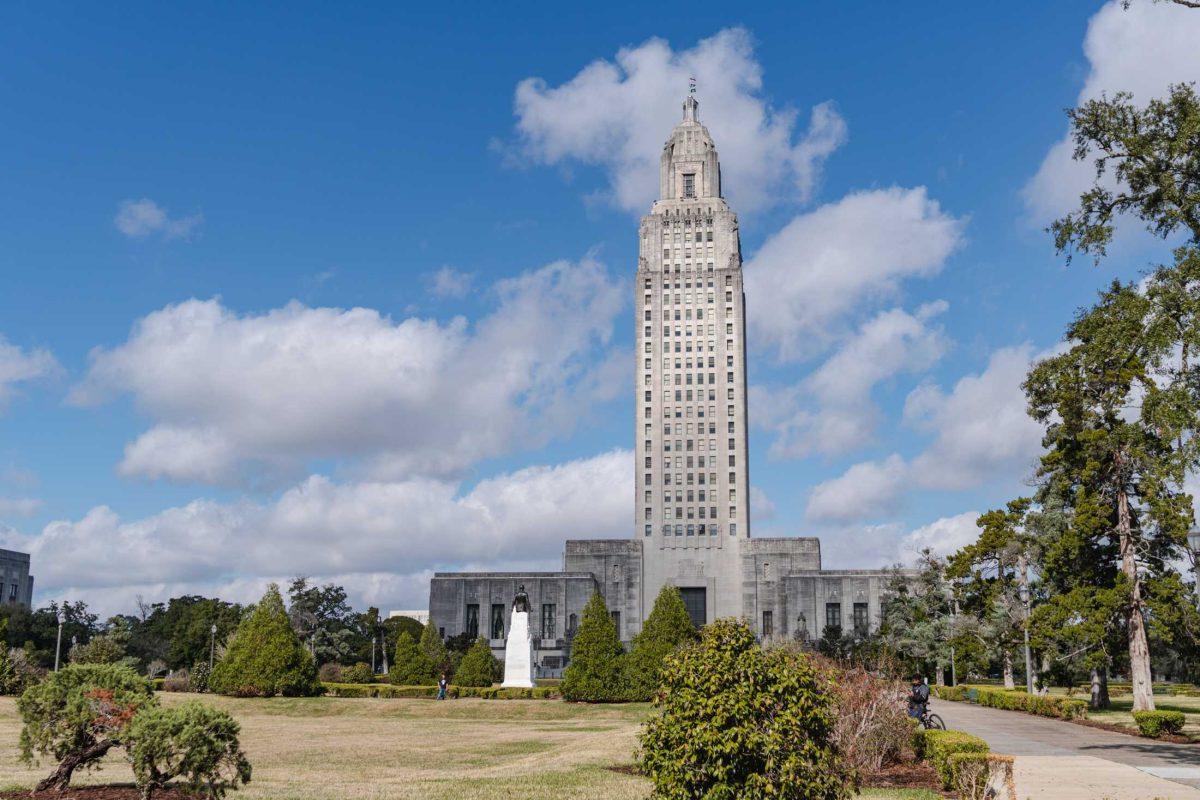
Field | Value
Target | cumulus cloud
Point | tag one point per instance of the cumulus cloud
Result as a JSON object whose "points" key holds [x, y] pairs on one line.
{"points": [[616, 115], [822, 266], [980, 429], [943, 536], [139, 219], [19, 506], [831, 411], [387, 533], [19, 366], [1141, 50], [234, 395], [449, 282]]}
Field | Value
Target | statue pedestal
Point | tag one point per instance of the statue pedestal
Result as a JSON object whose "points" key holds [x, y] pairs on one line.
{"points": [[518, 652]]}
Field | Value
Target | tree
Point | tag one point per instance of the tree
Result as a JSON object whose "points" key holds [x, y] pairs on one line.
{"points": [[738, 722], [323, 620], [411, 667], [917, 616], [1119, 440], [666, 629], [594, 674], [77, 715], [434, 648], [192, 741], [478, 667], [265, 657]]}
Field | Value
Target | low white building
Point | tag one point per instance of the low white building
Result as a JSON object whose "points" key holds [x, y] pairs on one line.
{"points": [[420, 616]]}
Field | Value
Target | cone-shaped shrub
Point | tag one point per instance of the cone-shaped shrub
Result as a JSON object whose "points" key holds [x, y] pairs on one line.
{"points": [[435, 649], [597, 658], [478, 667], [265, 657], [740, 722], [666, 629], [411, 667]]}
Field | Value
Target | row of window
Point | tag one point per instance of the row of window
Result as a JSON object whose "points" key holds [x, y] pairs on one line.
{"points": [[701, 529], [699, 236], [689, 512], [685, 298], [681, 363], [712, 478], [691, 495], [690, 379], [649, 283], [548, 629], [686, 395], [649, 346], [680, 428], [677, 411]]}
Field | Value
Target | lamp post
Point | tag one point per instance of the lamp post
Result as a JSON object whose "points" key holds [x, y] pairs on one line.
{"points": [[1028, 659], [58, 642], [212, 646], [374, 644], [1194, 546]]}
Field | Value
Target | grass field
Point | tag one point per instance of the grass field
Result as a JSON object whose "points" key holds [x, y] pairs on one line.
{"points": [[360, 749], [1121, 712]]}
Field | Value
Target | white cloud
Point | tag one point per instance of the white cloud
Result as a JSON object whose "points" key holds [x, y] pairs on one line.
{"points": [[943, 536], [449, 282], [616, 115], [234, 396], [19, 366], [138, 219], [19, 506], [1142, 50], [761, 507], [866, 490], [826, 264], [393, 533], [831, 411]]}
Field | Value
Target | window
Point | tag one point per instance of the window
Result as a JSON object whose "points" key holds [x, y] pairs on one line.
{"points": [[572, 624], [472, 626], [689, 184], [548, 621], [694, 600], [768, 626], [860, 619], [497, 620], [616, 618], [733, 529], [833, 615], [647, 529]]}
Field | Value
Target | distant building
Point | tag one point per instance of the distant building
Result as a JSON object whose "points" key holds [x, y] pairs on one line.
{"points": [[691, 504], [420, 616], [16, 584]]}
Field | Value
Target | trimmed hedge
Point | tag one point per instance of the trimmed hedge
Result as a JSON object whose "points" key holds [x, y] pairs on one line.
{"points": [[387, 690], [973, 773], [1054, 706], [1157, 723], [955, 693], [939, 746]]}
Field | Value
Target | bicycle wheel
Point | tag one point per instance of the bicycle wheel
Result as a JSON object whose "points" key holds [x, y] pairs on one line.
{"points": [[935, 723]]}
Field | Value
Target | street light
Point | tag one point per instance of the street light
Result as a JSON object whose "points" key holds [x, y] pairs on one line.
{"points": [[212, 646], [374, 642], [1024, 591], [58, 642], [1194, 546]]}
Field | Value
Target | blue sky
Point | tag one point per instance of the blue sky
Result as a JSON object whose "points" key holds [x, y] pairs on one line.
{"points": [[296, 289]]}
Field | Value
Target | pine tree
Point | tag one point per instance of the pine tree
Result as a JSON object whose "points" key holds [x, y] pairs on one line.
{"points": [[265, 657], [434, 648], [478, 667], [597, 658], [667, 628], [411, 667]]}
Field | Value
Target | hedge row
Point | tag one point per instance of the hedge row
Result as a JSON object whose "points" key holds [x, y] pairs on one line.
{"points": [[1047, 705], [955, 693], [1157, 723], [387, 690], [939, 746], [973, 773]]}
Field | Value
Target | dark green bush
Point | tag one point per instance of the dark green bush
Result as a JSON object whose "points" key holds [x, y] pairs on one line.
{"points": [[198, 677], [411, 667], [665, 630], [1043, 705], [78, 714], [955, 693], [359, 673], [191, 741], [478, 667], [595, 673], [940, 745], [331, 672], [265, 657], [738, 722], [435, 649], [1158, 723], [484, 692]]}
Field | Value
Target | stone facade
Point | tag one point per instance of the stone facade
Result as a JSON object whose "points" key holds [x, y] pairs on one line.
{"points": [[16, 584], [691, 526]]}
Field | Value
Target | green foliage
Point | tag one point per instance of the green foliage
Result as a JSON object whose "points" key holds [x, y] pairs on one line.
{"points": [[434, 648], [191, 741], [394, 626], [939, 746], [482, 692], [179, 632], [917, 616], [358, 673], [103, 649], [478, 667], [78, 714], [955, 693], [666, 629], [738, 722], [324, 621], [265, 657], [1157, 723], [595, 672], [1049, 705], [198, 677], [411, 667]]}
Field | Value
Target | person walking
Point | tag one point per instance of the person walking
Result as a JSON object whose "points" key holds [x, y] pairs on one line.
{"points": [[441, 695]]}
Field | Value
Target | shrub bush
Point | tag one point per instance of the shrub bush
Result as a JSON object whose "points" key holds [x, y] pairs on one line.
{"points": [[359, 673], [738, 722], [871, 728], [198, 678], [955, 693], [1158, 723], [595, 673], [17, 672], [1043, 705], [665, 630], [411, 667], [384, 690], [77, 715], [940, 745], [478, 667], [265, 657], [191, 741], [177, 681], [435, 649], [331, 673], [978, 776]]}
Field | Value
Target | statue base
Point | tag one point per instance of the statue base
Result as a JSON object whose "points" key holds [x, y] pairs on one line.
{"points": [[518, 653]]}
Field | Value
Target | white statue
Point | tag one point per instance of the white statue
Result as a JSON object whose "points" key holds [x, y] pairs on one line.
{"points": [[518, 648]]}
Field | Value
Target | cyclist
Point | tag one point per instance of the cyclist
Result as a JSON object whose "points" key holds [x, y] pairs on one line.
{"points": [[918, 698]]}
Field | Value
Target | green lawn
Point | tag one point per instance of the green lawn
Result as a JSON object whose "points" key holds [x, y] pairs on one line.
{"points": [[371, 749], [1121, 712]]}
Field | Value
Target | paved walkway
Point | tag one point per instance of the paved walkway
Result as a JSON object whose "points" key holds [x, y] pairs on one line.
{"points": [[1064, 761]]}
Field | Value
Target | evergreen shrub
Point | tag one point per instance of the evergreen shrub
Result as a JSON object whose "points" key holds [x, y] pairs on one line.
{"points": [[666, 629], [435, 649], [412, 666], [478, 667], [191, 741], [265, 657], [1158, 723], [359, 673], [596, 671], [940, 745]]}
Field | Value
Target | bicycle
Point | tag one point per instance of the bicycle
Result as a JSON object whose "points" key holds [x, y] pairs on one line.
{"points": [[931, 721]]}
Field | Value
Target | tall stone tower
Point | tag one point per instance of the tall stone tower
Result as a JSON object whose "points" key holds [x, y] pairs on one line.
{"points": [[692, 504]]}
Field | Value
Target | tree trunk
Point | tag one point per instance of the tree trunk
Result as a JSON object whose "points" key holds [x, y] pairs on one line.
{"points": [[1009, 683], [1105, 702], [940, 675], [61, 778], [1094, 702], [1139, 648]]}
